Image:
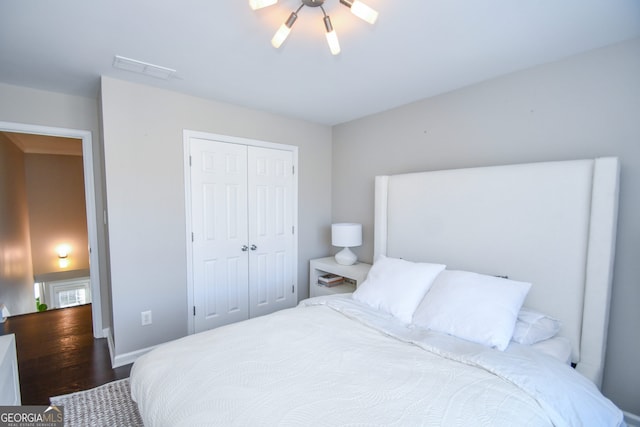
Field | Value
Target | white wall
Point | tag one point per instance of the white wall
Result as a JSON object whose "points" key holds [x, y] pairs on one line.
{"points": [[16, 271], [57, 212], [38, 107], [143, 153], [582, 107]]}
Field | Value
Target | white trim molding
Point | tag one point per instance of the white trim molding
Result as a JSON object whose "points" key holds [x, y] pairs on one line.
{"points": [[122, 359], [90, 202], [106, 332], [127, 358]]}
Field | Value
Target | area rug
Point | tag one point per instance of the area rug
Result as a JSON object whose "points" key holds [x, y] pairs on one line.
{"points": [[107, 405]]}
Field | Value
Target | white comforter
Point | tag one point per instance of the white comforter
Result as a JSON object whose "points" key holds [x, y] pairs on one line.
{"points": [[332, 361]]}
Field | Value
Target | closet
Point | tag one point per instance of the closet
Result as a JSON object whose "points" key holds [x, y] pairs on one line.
{"points": [[241, 237]]}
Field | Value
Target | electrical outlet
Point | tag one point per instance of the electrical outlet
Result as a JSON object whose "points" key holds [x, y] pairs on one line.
{"points": [[146, 317]]}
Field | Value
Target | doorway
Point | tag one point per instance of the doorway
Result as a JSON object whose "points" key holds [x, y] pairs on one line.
{"points": [[90, 206]]}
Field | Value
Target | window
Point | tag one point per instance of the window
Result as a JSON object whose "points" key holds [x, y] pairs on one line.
{"points": [[71, 297], [68, 293]]}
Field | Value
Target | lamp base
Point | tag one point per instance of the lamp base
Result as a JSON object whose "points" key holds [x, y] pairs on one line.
{"points": [[346, 257]]}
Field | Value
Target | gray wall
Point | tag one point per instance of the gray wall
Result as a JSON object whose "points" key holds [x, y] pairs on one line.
{"points": [[43, 108], [143, 155], [582, 107], [16, 271]]}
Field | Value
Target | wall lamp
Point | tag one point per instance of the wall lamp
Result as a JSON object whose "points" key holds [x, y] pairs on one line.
{"points": [[358, 8], [63, 255]]}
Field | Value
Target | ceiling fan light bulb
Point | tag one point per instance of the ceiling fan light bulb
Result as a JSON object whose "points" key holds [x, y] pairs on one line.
{"points": [[280, 36], [364, 12], [259, 4], [283, 32], [334, 45], [332, 37]]}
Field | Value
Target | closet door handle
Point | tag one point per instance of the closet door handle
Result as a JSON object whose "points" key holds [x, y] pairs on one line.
{"points": [[244, 248], [254, 247]]}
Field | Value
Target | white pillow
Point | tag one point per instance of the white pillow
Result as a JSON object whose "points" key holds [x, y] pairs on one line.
{"points": [[533, 327], [396, 286], [473, 306]]}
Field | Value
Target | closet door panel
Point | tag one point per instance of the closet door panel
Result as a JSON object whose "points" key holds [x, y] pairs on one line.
{"points": [[219, 221], [270, 214]]}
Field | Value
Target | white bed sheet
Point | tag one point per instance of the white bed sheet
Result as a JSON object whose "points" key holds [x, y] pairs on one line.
{"points": [[556, 347], [332, 361]]}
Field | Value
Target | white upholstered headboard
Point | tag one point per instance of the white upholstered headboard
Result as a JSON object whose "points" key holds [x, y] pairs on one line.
{"points": [[552, 224]]}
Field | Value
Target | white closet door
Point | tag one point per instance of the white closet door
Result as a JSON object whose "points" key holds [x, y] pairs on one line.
{"points": [[219, 221], [270, 175]]}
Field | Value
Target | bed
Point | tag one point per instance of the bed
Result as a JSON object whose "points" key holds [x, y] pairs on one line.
{"points": [[413, 345]]}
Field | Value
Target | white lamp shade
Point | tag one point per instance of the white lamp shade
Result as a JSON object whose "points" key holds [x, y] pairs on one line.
{"points": [[334, 44], [280, 36], [259, 4], [364, 12], [346, 234]]}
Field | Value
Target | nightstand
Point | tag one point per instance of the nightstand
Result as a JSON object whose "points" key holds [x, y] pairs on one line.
{"points": [[355, 274]]}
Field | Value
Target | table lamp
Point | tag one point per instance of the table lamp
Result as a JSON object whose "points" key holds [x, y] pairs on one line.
{"points": [[346, 235]]}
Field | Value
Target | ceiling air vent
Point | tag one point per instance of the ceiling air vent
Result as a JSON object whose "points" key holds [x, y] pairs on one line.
{"points": [[145, 68]]}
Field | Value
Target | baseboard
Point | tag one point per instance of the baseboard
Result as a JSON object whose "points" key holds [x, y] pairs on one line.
{"points": [[118, 360], [100, 333], [127, 358], [106, 332], [632, 420]]}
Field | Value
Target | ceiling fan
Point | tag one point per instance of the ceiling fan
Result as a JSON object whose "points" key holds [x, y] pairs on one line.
{"points": [[357, 7]]}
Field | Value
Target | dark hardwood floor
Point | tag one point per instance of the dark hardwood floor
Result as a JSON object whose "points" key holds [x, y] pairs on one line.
{"points": [[57, 354]]}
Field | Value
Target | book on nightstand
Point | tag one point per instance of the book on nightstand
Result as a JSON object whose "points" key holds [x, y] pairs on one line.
{"points": [[330, 280]]}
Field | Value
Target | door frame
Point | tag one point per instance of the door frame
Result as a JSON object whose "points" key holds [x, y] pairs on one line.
{"points": [[187, 135], [90, 205]]}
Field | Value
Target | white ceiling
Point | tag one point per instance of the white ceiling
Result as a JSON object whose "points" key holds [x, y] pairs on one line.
{"points": [[221, 48]]}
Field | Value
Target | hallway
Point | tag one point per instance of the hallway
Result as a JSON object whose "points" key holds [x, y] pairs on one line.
{"points": [[57, 354]]}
